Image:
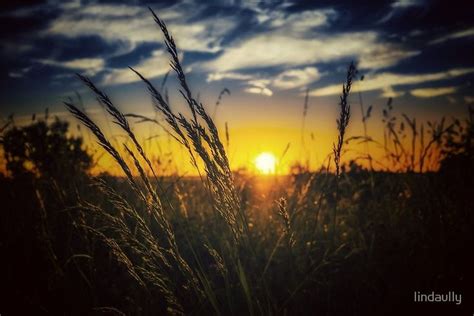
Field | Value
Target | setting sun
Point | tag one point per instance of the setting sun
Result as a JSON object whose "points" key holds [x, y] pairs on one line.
{"points": [[265, 163]]}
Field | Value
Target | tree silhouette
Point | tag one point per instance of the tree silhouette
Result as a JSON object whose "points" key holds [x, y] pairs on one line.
{"points": [[44, 150]]}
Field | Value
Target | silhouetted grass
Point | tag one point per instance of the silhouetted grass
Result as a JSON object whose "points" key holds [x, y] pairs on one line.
{"points": [[354, 241]]}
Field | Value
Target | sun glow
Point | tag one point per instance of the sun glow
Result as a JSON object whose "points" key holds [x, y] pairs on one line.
{"points": [[265, 163]]}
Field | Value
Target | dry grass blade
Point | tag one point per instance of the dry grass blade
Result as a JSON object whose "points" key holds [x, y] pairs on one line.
{"points": [[204, 141], [344, 116], [81, 116], [176, 65], [342, 123], [118, 116], [218, 102]]}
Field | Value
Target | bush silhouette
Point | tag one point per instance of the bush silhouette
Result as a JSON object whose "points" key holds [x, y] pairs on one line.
{"points": [[44, 150]]}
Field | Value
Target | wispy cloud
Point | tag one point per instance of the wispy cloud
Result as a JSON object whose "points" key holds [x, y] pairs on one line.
{"points": [[278, 17], [19, 73], [259, 86], [299, 22], [432, 92], [90, 66], [279, 49], [387, 80], [295, 78], [399, 6], [383, 56], [259, 90], [406, 3], [287, 79], [389, 92], [156, 65], [304, 38], [455, 35], [217, 76], [131, 25]]}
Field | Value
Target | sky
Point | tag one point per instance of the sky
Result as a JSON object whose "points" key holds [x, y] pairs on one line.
{"points": [[267, 53]]}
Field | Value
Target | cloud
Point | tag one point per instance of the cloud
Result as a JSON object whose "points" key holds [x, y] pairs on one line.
{"points": [[156, 65], [398, 7], [459, 34], [384, 56], [90, 66], [294, 78], [300, 22], [279, 49], [386, 80], [277, 16], [20, 73], [132, 25], [288, 79], [85, 63], [258, 90], [111, 10], [217, 76], [388, 92], [300, 39], [406, 3], [261, 83], [432, 92], [259, 86]]}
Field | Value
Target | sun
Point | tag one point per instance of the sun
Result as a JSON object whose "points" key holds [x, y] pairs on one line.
{"points": [[265, 163]]}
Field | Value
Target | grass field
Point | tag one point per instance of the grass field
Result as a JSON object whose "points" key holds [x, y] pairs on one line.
{"points": [[349, 239]]}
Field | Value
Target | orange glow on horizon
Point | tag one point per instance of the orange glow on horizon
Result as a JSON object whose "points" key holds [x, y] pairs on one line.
{"points": [[247, 139]]}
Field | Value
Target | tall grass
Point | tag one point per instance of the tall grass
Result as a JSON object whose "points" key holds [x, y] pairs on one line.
{"points": [[342, 124], [200, 137], [158, 250], [318, 243]]}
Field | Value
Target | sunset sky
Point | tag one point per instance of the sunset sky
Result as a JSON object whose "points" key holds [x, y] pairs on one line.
{"points": [[267, 54]]}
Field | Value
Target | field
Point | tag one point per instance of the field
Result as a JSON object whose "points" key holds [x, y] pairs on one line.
{"points": [[352, 238]]}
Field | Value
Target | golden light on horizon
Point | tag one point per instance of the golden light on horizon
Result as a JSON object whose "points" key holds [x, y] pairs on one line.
{"points": [[265, 163]]}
